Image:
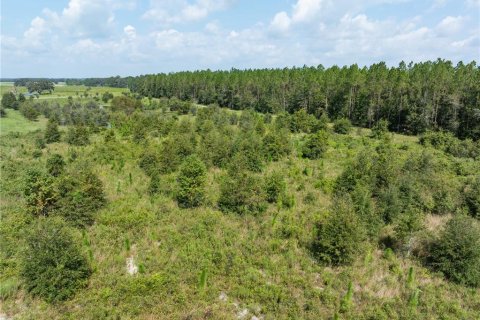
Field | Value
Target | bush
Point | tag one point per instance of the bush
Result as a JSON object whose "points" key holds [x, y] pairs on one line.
{"points": [[78, 136], [29, 112], [80, 196], [316, 145], [472, 197], [275, 187], [51, 133], [55, 165], [53, 266], [342, 126], [191, 183], [9, 100], [276, 145], [39, 192], [241, 192], [457, 252], [3, 113], [339, 238], [380, 129]]}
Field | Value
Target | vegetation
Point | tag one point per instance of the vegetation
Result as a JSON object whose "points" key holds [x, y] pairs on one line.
{"points": [[124, 203]]}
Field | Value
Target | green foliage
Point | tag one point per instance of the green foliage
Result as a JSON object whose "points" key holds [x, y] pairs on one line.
{"points": [[346, 302], [276, 145], [39, 192], [78, 136], [53, 266], [55, 164], [380, 129], [51, 132], [248, 153], [342, 126], [447, 142], [472, 197], [457, 252], [275, 187], [301, 121], [125, 104], [316, 145], [191, 183], [29, 111], [241, 192], [80, 196], [9, 101], [339, 237]]}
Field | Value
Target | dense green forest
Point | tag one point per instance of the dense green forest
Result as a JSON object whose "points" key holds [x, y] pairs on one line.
{"points": [[176, 208], [413, 98]]}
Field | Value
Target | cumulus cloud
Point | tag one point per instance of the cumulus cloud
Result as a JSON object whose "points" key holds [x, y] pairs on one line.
{"points": [[169, 12]]}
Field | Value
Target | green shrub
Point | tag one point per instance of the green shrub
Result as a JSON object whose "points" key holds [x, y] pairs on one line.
{"points": [[29, 111], [315, 145], [339, 237], [80, 196], [275, 187], [3, 113], [380, 129], [9, 100], [78, 136], [457, 252], [39, 192], [191, 183], [276, 145], [51, 132], [241, 192], [53, 266], [472, 197], [55, 164], [342, 126]]}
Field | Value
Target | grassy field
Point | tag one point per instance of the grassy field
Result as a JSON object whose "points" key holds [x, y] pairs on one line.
{"points": [[15, 122], [62, 92]]}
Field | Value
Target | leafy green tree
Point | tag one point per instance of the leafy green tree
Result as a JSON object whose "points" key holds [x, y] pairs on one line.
{"points": [[52, 265], [55, 164], [191, 182], [9, 101], [52, 134], [316, 145], [339, 237], [457, 252], [342, 126]]}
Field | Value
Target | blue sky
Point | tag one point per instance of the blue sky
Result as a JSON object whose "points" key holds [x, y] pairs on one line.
{"points": [[92, 38]]}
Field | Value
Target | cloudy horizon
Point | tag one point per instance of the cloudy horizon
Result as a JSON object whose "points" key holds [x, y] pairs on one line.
{"points": [[99, 38]]}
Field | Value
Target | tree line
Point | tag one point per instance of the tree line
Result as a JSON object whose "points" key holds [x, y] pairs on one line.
{"points": [[413, 98]]}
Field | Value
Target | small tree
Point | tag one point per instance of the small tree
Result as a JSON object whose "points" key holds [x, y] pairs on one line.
{"points": [[342, 126], [316, 145], [191, 183], [51, 133], [9, 100], [78, 136], [55, 164], [472, 197], [53, 266], [339, 237], [457, 252]]}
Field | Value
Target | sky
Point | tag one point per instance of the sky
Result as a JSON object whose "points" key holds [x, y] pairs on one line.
{"points": [[98, 38]]}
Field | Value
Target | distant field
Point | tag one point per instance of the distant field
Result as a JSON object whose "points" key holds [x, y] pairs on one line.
{"points": [[63, 91], [15, 122]]}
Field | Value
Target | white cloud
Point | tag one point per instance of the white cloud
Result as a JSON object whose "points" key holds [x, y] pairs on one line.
{"points": [[281, 22], [169, 12], [305, 10], [450, 25]]}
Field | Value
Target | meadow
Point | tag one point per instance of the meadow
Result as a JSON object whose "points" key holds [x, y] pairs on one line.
{"points": [[202, 212]]}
